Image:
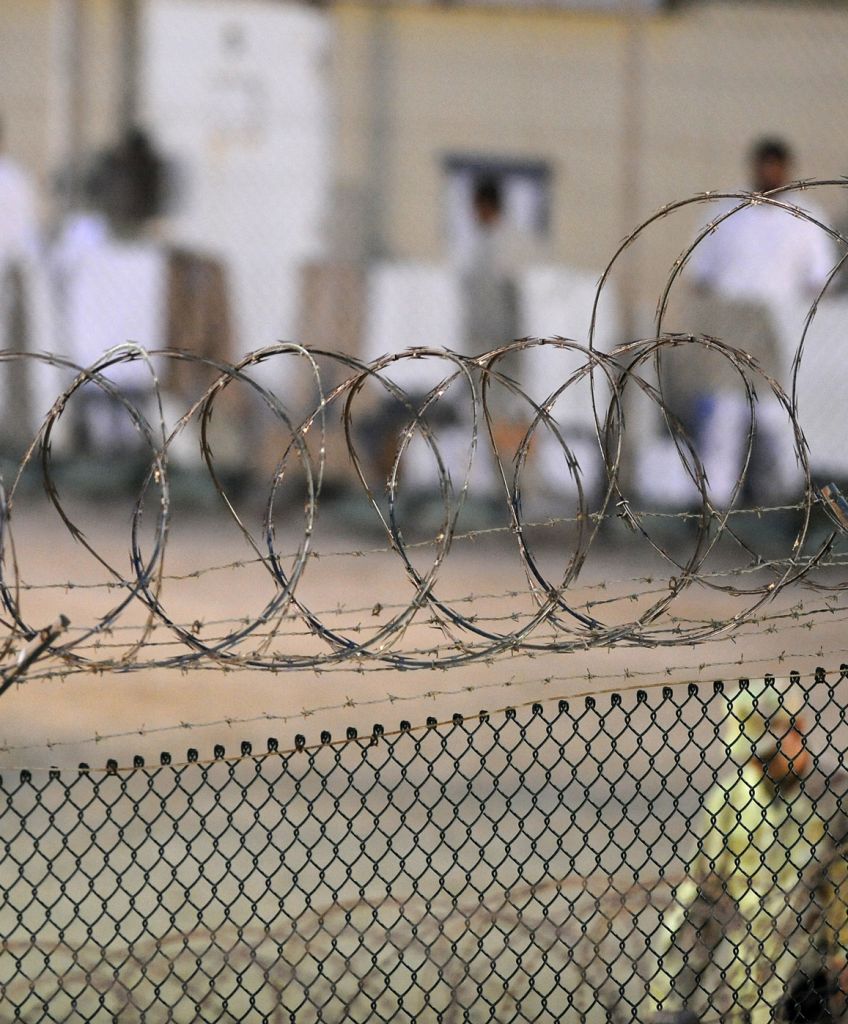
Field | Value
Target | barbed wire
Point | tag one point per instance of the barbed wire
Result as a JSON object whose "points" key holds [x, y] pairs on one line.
{"points": [[593, 684], [796, 617], [433, 393]]}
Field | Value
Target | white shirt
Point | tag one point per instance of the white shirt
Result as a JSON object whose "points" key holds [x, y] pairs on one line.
{"points": [[764, 253], [116, 294]]}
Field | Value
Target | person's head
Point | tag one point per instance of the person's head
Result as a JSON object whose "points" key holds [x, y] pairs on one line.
{"points": [[136, 142], [766, 726], [487, 200], [771, 164]]}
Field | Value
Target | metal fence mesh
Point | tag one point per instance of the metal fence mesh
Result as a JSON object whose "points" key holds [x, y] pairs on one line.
{"points": [[522, 865]]}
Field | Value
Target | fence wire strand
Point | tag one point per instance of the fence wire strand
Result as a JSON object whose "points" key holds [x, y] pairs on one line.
{"points": [[537, 863], [611, 377], [644, 848]]}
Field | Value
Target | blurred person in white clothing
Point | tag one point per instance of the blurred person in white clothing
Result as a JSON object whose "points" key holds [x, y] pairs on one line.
{"points": [[754, 278], [18, 282], [18, 216], [764, 253], [489, 273], [489, 287]]}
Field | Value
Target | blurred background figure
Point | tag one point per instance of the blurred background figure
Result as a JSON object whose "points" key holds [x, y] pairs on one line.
{"points": [[754, 276], [490, 269], [128, 183], [758, 930], [110, 279], [489, 286], [468, 304], [19, 250], [18, 210], [118, 279]]}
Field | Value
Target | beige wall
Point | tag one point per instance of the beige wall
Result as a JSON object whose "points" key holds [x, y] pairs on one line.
{"points": [[46, 81], [464, 81], [720, 75], [519, 83], [25, 69], [103, 76], [552, 86]]}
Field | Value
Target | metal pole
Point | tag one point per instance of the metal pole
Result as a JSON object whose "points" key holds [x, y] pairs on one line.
{"points": [[632, 152], [377, 186], [67, 114], [129, 33]]}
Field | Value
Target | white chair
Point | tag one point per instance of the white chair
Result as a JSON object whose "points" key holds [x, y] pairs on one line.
{"points": [[114, 293], [822, 382], [413, 305], [557, 301], [420, 305]]}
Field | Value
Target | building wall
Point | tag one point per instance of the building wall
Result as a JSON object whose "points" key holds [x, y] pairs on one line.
{"points": [[718, 76], [60, 83], [415, 83], [555, 86], [102, 55], [25, 70]]}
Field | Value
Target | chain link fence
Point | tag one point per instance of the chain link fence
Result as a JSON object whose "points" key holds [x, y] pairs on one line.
{"points": [[335, 174], [539, 864]]}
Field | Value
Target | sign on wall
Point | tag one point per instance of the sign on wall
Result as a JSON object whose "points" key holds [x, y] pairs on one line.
{"points": [[243, 114]]}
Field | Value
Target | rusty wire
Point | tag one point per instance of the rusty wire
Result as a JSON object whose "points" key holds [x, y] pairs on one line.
{"points": [[510, 864], [556, 624]]}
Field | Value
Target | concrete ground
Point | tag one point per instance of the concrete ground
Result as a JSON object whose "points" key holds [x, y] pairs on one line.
{"points": [[496, 869], [354, 585]]}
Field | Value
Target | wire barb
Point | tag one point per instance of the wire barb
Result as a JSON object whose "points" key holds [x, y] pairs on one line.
{"points": [[431, 394], [38, 646]]}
